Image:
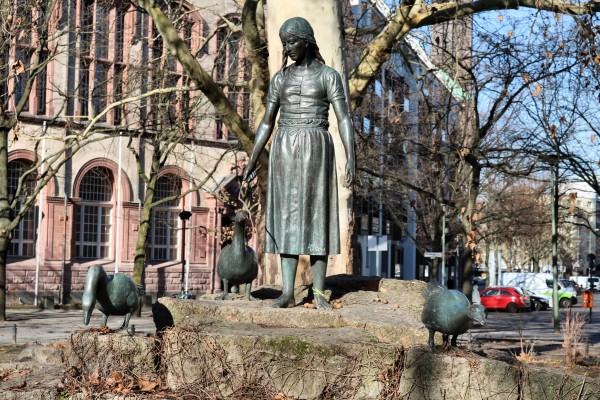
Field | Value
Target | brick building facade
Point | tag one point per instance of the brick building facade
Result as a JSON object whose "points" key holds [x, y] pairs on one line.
{"points": [[90, 213]]}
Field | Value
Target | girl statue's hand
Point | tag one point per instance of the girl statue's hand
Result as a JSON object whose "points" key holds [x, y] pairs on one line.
{"points": [[249, 172], [349, 177]]}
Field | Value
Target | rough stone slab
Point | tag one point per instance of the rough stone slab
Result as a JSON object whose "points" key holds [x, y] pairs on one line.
{"points": [[304, 363], [35, 394], [459, 375], [392, 314], [41, 355], [541, 383], [372, 348], [33, 374], [92, 350]]}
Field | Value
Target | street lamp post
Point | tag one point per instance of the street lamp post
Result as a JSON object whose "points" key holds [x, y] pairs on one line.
{"points": [[184, 216], [555, 305], [592, 235], [553, 160], [443, 245]]}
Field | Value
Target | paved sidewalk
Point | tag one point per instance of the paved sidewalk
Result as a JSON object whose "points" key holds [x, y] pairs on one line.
{"points": [[56, 326]]}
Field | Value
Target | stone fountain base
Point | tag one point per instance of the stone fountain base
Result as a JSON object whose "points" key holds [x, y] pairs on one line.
{"points": [[373, 347]]}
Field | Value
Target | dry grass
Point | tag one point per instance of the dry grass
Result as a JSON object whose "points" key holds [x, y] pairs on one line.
{"points": [[572, 333]]}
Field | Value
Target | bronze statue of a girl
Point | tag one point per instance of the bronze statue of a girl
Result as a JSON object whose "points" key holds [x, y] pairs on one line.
{"points": [[302, 203]]}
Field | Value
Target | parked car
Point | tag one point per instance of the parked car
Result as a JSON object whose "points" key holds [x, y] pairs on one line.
{"points": [[538, 302], [541, 283], [570, 283], [511, 299], [586, 281]]}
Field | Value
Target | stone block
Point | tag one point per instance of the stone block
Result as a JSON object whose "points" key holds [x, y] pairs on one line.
{"points": [[34, 394], [444, 376], [369, 349], [540, 383], [92, 349], [302, 363], [41, 355]]}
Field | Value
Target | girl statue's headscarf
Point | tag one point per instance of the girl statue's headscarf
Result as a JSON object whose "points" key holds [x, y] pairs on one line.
{"points": [[300, 28]]}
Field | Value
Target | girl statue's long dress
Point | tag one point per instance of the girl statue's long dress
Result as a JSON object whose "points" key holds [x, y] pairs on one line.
{"points": [[302, 205]]}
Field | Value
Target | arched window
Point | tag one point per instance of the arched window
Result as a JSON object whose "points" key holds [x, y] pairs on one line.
{"points": [[165, 221], [23, 236], [93, 214]]}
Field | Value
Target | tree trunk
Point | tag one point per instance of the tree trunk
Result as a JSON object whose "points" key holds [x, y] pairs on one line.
{"points": [[4, 218], [326, 19], [139, 263]]}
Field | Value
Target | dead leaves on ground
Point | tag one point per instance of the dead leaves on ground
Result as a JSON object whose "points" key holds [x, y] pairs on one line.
{"points": [[8, 374], [335, 304], [118, 383]]}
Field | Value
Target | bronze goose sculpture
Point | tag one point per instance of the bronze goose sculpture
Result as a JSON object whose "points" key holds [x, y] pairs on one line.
{"points": [[449, 312], [111, 294], [237, 263]]}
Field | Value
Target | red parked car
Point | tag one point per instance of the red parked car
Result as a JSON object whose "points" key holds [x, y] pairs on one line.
{"points": [[511, 299]]}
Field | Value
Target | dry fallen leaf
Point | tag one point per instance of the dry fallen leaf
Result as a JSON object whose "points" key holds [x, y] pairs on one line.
{"points": [[147, 386], [93, 378], [8, 374], [18, 67]]}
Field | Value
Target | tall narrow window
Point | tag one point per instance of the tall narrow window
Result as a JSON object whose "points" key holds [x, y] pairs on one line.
{"points": [[165, 221], [100, 93], [168, 110], [118, 93], [23, 237], [23, 49], [102, 57], [231, 72], [23, 57], [93, 215], [84, 87], [29, 20], [40, 90]]}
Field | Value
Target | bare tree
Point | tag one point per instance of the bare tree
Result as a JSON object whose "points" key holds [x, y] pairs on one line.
{"points": [[28, 42], [515, 76]]}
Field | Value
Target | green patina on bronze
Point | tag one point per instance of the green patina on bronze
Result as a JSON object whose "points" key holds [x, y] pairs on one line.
{"points": [[110, 294], [301, 216], [237, 262], [449, 312]]}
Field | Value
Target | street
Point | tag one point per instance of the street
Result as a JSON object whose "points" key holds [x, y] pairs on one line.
{"points": [[534, 327]]}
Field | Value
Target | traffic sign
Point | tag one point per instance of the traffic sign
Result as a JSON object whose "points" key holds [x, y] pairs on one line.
{"points": [[433, 254]]}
